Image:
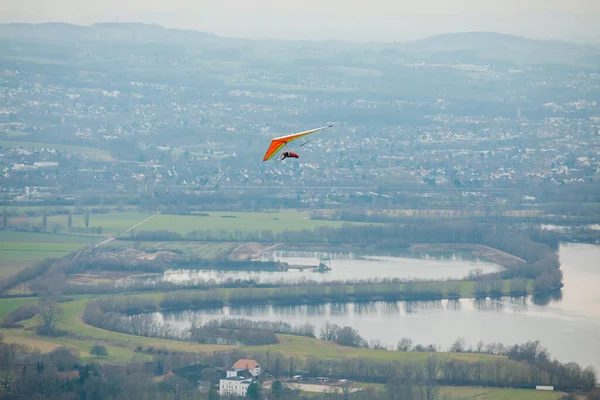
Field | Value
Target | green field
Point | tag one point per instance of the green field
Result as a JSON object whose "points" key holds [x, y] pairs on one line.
{"points": [[89, 151], [116, 354], [299, 346], [484, 393], [19, 250], [26, 248], [118, 222], [42, 237], [111, 223], [243, 221], [7, 305]]}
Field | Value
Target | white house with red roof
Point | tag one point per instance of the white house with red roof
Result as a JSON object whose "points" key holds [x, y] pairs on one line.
{"points": [[251, 366], [239, 378]]}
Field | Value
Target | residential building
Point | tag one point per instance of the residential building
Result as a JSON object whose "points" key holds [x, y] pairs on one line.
{"points": [[234, 386], [251, 366], [239, 378]]}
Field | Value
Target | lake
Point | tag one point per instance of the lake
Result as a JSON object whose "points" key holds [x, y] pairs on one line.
{"points": [[344, 266], [568, 325]]}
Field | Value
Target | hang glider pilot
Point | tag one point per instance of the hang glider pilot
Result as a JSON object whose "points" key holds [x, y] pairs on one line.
{"points": [[287, 154]]}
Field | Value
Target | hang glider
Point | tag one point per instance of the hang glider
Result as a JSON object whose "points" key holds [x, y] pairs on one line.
{"points": [[279, 142]]}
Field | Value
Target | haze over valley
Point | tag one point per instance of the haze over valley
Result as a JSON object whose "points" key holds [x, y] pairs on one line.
{"points": [[439, 241]]}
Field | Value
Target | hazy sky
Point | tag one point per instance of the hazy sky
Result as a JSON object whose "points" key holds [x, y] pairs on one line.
{"points": [[328, 19]]}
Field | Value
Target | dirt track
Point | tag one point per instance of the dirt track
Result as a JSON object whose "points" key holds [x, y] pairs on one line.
{"points": [[494, 255], [309, 387], [249, 251], [110, 239]]}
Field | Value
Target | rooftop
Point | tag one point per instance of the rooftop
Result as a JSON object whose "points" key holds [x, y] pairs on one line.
{"points": [[246, 364]]}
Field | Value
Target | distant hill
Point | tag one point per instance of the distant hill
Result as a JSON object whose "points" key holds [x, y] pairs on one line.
{"points": [[465, 48], [478, 41], [52, 31], [497, 47]]}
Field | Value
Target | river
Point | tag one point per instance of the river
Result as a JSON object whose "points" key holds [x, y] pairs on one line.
{"points": [[567, 325]]}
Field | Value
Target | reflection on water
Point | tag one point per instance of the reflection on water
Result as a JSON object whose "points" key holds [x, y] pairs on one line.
{"points": [[548, 298], [489, 304], [339, 312], [454, 304], [438, 255], [567, 322], [345, 266]]}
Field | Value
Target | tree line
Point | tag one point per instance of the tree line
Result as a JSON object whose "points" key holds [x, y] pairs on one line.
{"points": [[45, 212], [474, 285], [438, 369], [342, 292], [26, 373], [243, 324], [110, 314]]}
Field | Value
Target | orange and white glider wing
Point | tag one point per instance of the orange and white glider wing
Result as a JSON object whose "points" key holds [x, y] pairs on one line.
{"points": [[278, 143]]}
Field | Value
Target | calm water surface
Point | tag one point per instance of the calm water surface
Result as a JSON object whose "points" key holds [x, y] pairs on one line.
{"points": [[568, 325], [344, 267]]}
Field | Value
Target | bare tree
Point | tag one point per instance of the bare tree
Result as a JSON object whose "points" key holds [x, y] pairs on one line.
{"points": [[377, 345], [347, 388], [480, 346], [405, 344], [431, 392], [432, 368], [49, 317], [458, 346], [195, 323], [400, 389], [329, 331], [45, 219]]}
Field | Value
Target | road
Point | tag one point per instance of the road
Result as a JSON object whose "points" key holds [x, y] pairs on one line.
{"points": [[249, 254], [110, 239]]}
